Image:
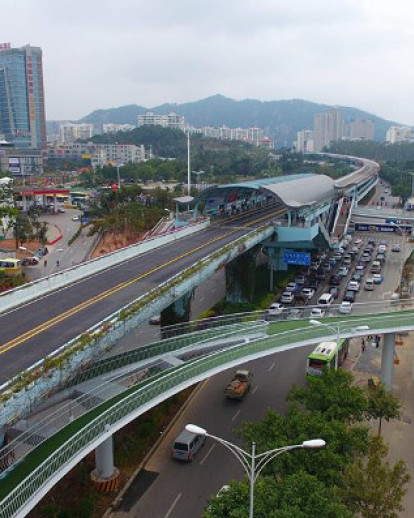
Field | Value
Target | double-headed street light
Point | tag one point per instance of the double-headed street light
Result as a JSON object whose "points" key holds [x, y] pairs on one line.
{"points": [[254, 463]]}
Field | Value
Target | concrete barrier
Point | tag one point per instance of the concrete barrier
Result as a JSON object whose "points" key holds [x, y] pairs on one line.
{"points": [[40, 287]]}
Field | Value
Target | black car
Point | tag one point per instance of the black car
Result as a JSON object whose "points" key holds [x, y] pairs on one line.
{"points": [[320, 275], [29, 261], [349, 296], [335, 280]]}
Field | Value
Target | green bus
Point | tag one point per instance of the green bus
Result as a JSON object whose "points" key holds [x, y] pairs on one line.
{"points": [[327, 355]]}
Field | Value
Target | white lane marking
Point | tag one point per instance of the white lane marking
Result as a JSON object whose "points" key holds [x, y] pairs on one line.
{"points": [[201, 299], [255, 388], [236, 415], [171, 509], [271, 367], [207, 454]]}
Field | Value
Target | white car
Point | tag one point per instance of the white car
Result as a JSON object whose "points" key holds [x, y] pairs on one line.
{"points": [[75, 218], [275, 309], [358, 242], [287, 297], [307, 293], [377, 278], [353, 286], [292, 286], [345, 308], [317, 313]]}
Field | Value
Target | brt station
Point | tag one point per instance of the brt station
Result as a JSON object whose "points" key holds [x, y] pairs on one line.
{"points": [[306, 211]]}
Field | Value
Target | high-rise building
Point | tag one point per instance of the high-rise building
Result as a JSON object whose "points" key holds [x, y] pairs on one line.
{"points": [[304, 141], [327, 127], [69, 132], [360, 129], [22, 103]]}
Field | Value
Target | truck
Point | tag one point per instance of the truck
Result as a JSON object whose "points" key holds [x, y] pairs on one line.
{"points": [[239, 386]]}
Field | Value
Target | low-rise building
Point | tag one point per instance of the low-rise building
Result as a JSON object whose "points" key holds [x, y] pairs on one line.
{"points": [[397, 134]]}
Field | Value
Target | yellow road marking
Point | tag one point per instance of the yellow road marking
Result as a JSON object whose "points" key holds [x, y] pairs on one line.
{"points": [[83, 305], [93, 300]]}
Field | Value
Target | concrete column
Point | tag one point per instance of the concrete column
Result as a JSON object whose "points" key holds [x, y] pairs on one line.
{"points": [[104, 459], [387, 360], [241, 277], [178, 311]]}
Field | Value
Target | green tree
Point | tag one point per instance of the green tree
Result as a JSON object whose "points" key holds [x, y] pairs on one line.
{"points": [[296, 496], [275, 430], [382, 404], [332, 394], [22, 229], [373, 488]]}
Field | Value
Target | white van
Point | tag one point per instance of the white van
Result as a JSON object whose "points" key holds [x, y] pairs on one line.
{"points": [[369, 284], [325, 300], [186, 445]]}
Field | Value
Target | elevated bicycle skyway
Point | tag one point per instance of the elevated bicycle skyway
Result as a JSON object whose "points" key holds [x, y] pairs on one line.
{"points": [[33, 476]]}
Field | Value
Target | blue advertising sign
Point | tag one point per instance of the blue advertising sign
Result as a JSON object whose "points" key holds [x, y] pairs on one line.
{"points": [[299, 258], [365, 227]]}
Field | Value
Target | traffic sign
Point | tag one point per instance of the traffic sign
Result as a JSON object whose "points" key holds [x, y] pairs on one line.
{"points": [[299, 258]]}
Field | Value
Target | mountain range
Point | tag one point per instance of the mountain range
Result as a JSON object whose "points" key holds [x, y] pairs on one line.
{"points": [[280, 120]]}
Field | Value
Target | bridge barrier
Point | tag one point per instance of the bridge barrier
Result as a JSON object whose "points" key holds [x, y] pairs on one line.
{"points": [[126, 369], [33, 477], [38, 382], [39, 287]]}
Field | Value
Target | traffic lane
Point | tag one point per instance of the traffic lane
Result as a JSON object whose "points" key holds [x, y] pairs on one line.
{"points": [[214, 466], [165, 258], [70, 312]]}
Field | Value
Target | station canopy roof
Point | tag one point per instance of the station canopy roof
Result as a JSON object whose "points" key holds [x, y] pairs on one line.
{"points": [[293, 191]]}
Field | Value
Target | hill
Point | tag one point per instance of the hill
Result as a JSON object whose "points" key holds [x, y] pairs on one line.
{"points": [[279, 119]]}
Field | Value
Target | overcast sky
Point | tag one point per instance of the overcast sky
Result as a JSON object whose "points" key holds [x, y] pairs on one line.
{"points": [[108, 53]]}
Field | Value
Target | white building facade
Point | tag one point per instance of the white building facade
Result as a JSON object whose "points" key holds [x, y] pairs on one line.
{"points": [[397, 134]]}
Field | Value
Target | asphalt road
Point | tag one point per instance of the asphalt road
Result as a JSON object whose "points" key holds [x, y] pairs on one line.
{"points": [[181, 490], [170, 489], [32, 331]]}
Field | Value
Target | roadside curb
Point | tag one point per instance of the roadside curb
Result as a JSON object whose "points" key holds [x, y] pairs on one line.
{"points": [[118, 499]]}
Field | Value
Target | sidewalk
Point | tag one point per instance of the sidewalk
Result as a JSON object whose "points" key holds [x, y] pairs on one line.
{"points": [[399, 434]]}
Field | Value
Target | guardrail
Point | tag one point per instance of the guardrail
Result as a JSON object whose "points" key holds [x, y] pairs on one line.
{"points": [[30, 480], [146, 361], [39, 287]]}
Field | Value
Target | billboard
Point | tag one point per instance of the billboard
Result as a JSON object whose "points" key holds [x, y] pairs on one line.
{"points": [[365, 227], [298, 258]]}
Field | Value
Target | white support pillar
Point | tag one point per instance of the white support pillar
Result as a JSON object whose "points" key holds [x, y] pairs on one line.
{"points": [[104, 459], [387, 360]]}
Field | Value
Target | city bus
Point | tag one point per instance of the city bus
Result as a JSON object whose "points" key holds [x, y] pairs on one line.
{"points": [[327, 355], [10, 266]]}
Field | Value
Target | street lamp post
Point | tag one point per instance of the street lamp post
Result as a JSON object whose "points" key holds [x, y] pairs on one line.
{"points": [[118, 176], [254, 463]]}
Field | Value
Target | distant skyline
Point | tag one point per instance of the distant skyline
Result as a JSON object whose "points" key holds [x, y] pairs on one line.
{"points": [[108, 54]]}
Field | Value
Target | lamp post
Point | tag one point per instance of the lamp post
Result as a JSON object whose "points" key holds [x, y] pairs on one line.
{"points": [[188, 164], [118, 175], [198, 173], [254, 463], [337, 331]]}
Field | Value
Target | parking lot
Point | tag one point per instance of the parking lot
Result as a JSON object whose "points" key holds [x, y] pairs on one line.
{"points": [[366, 269]]}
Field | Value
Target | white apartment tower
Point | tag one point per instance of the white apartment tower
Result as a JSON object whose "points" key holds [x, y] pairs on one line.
{"points": [[327, 127], [304, 141]]}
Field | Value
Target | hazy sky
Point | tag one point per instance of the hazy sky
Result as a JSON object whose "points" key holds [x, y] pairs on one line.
{"points": [[107, 53]]}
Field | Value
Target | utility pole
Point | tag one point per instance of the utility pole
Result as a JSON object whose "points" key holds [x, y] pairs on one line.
{"points": [[188, 164]]}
